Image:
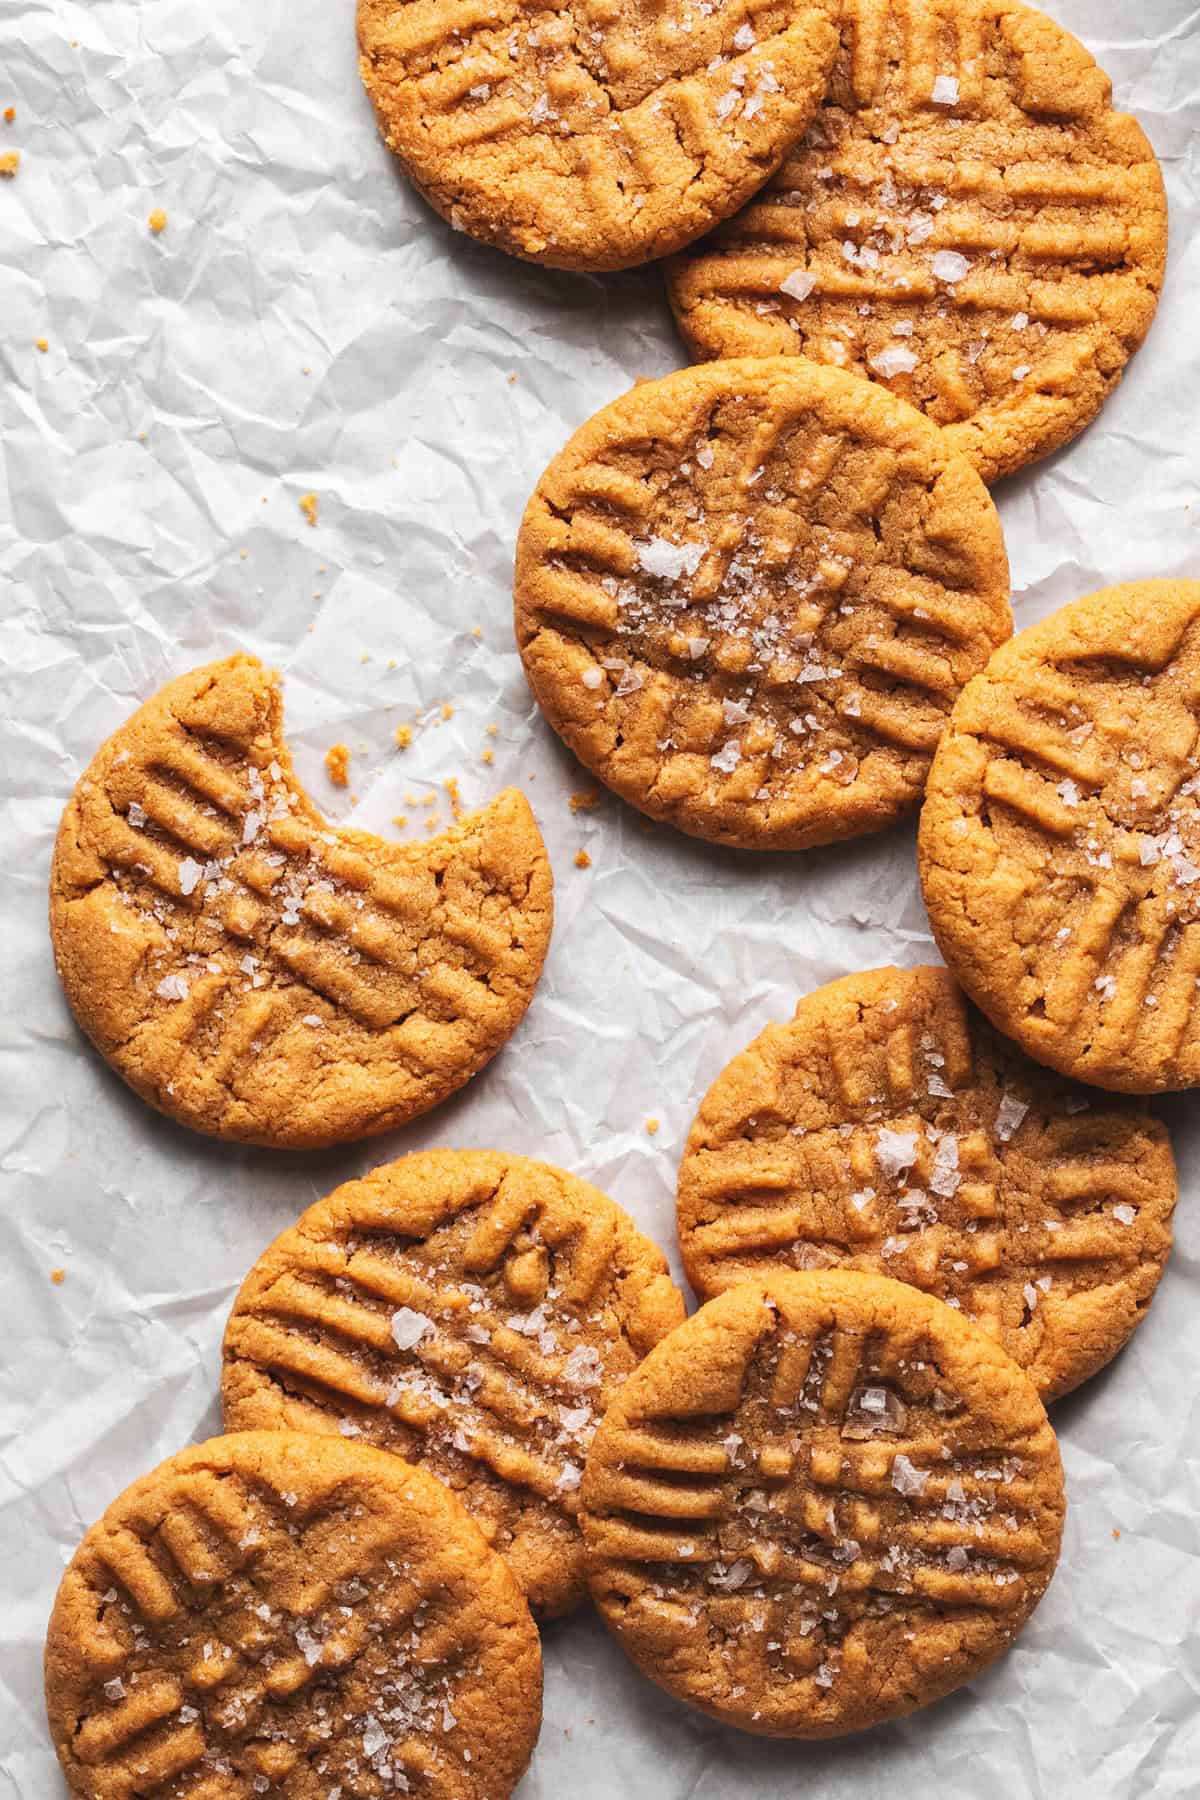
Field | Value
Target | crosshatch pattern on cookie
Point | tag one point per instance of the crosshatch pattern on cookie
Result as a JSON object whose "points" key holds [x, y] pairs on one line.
{"points": [[966, 220], [598, 133], [888, 1128], [823, 1501], [254, 971], [748, 594], [268, 1614], [469, 1310], [1060, 849]]}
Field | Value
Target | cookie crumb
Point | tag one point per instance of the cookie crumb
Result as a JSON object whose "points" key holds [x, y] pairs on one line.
{"points": [[447, 710], [337, 764], [10, 113], [652, 1127], [477, 631], [585, 801], [492, 730], [488, 757], [308, 506], [58, 1276], [1116, 1533], [451, 786], [157, 221], [400, 821], [403, 736], [10, 162], [582, 860], [42, 344]]}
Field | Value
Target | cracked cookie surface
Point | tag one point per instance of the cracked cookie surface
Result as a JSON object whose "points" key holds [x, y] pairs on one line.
{"points": [[748, 594], [270, 1613], [825, 1500], [967, 220], [1059, 845], [595, 134], [259, 974], [888, 1128], [471, 1311]]}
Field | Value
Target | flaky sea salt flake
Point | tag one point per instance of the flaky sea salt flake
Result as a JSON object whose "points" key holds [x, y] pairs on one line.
{"points": [[409, 1327]]}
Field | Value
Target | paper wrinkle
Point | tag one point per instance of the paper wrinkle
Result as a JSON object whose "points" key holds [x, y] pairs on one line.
{"points": [[135, 456]]}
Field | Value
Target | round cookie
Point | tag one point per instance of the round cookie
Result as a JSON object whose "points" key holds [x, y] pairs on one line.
{"points": [[747, 595], [888, 1128], [599, 135], [288, 1615], [1060, 845], [824, 1501], [967, 220], [467, 1309], [257, 973]]}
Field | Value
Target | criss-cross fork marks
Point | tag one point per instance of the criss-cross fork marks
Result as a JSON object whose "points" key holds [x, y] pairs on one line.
{"points": [[768, 600], [1011, 273], [644, 98], [1117, 825], [207, 923], [497, 1376], [811, 1202], [924, 1159], [472, 1384], [290, 894], [791, 1505], [194, 1646]]}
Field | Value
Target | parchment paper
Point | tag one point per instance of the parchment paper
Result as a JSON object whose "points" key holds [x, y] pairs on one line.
{"points": [[306, 324]]}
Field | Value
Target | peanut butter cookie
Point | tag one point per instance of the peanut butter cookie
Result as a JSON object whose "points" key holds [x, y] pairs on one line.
{"points": [[822, 1502], [1060, 847], [279, 1614], [748, 594], [467, 1309], [600, 134], [258, 974], [967, 220], [888, 1128]]}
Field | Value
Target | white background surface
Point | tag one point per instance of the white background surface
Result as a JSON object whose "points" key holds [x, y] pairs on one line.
{"points": [[135, 457]]}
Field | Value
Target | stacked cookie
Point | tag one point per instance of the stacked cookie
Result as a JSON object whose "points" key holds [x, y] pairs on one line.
{"points": [[766, 601]]}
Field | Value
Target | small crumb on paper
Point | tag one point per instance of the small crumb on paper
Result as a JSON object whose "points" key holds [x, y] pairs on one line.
{"points": [[582, 860], [10, 113], [10, 162], [585, 801], [337, 764], [652, 1127], [403, 736], [58, 1276], [1116, 1533], [42, 344], [157, 221], [308, 506], [488, 757]]}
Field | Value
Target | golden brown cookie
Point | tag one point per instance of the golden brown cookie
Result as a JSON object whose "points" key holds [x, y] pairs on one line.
{"points": [[1060, 845], [888, 1128], [468, 1309], [967, 220], [600, 134], [822, 1502], [287, 1615], [257, 973], [748, 594]]}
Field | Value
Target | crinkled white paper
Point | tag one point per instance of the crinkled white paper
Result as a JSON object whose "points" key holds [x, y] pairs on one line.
{"points": [[305, 325]]}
